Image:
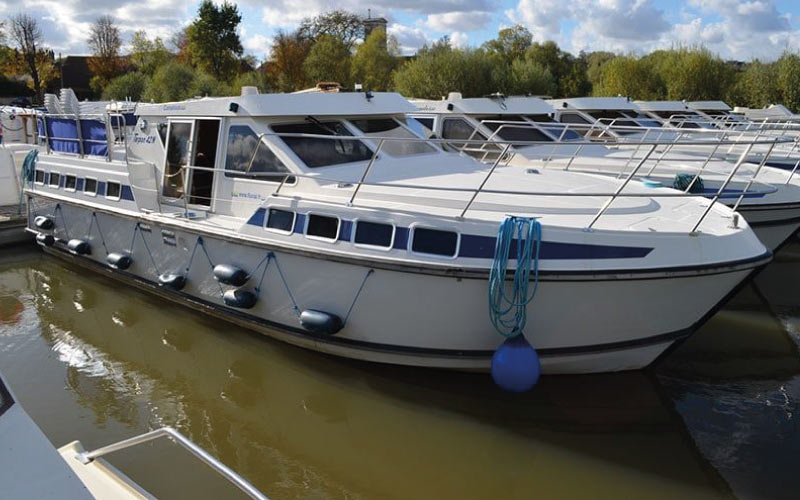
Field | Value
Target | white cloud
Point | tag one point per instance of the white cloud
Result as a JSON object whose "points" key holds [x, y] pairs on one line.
{"points": [[462, 21], [259, 45], [409, 38], [459, 39]]}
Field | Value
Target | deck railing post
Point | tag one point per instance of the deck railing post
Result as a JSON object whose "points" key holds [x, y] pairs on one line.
{"points": [[485, 179], [366, 172], [621, 187]]}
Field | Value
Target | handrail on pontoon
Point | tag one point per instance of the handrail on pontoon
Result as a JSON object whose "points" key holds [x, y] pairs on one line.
{"points": [[176, 437]]}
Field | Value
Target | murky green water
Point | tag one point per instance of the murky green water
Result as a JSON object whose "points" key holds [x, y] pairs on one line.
{"points": [[93, 361]]}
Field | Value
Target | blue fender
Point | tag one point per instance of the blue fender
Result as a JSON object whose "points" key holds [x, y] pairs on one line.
{"points": [[230, 275], [119, 260], [243, 299], [79, 247], [321, 322]]}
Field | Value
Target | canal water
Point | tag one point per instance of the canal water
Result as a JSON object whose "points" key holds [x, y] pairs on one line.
{"points": [[94, 361]]}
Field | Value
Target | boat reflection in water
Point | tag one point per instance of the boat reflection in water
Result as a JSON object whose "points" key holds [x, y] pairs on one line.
{"points": [[299, 424]]}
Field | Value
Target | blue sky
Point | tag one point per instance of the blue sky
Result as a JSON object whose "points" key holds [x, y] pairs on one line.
{"points": [[736, 29]]}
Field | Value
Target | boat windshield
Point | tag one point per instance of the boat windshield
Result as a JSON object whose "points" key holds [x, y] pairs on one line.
{"points": [[643, 120], [558, 130], [318, 152], [513, 128], [389, 127]]}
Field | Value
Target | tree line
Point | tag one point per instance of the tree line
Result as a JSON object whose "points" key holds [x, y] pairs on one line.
{"points": [[207, 58]]}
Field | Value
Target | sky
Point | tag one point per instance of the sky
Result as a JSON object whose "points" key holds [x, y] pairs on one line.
{"points": [[736, 29]]}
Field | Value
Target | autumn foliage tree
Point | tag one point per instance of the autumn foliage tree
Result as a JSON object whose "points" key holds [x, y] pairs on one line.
{"points": [[31, 57]]}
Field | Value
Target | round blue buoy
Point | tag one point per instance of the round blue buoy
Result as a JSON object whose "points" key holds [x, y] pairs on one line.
{"points": [[515, 365]]}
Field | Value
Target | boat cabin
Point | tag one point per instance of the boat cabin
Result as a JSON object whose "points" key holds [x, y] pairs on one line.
{"points": [[619, 113]]}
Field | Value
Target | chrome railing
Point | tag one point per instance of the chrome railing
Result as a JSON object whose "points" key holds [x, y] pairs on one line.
{"points": [[359, 181], [194, 449]]}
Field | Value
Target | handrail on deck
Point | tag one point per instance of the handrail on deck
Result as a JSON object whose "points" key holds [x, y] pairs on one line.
{"points": [[168, 432]]}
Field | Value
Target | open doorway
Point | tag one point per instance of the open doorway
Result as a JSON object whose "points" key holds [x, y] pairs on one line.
{"points": [[205, 154]]}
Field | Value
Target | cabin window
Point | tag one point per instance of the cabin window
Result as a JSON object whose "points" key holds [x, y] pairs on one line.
{"points": [[38, 177], [113, 190], [281, 220], [55, 179], [70, 182], [513, 128], [389, 127], [322, 226], [458, 128], [318, 152], [90, 186], [374, 234], [248, 157], [434, 242], [573, 118], [425, 122], [557, 130]]}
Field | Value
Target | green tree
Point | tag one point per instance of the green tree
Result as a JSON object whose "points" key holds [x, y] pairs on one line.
{"points": [[373, 63], [755, 87], [171, 82], [148, 55], [129, 86], [569, 72], [630, 77], [510, 44], [594, 64], [691, 73], [441, 69], [204, 85], [250, 79], [213, 43], [529, 77], [328, 61], [788, 80]]}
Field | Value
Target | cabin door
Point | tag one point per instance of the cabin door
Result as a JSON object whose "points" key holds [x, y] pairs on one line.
{"points": [[191, 143], [180, 135]]}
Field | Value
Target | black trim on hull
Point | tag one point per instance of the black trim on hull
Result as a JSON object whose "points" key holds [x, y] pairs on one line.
{"points": [[246, 320], [454, 272]]}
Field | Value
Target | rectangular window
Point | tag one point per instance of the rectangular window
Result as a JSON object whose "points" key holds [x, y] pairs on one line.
{"points": [[248, 156], [70, 182], [374, 234], [458, 128], [321, 152], [113, 190], [391, 128], [321, 226], [434, 242], [39, 177], [55, 179], [281, 220], [513, 128], [90, 186]]}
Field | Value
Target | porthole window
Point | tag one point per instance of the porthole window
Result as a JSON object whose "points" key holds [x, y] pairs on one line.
{"points": [[39, 177], [281, 220], [374, 234], [113, 190], [70, 182], [55, 179], [322, 226], [90, 186], [434, 242]]}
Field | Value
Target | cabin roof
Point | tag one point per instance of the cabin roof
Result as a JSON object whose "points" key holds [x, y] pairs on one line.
{"points": [[594, 103], [662, 105], [709, 105], [315, 104], [486, 105]]}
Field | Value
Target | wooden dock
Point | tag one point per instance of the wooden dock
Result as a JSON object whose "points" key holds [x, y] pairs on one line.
{"points": [[12, 226]]}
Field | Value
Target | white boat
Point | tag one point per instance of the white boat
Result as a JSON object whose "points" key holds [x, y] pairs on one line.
{"points": [[768, 197], [31, 467], [322, 220]]}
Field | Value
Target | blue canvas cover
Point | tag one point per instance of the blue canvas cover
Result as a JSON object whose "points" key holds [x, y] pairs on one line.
{"points": [[63, 134], [94, 137]]}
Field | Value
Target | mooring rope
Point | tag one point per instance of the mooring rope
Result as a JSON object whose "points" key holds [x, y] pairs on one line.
{"points": [[508, 311]]}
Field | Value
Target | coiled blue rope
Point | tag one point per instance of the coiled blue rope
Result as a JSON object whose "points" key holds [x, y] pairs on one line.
{"points": [[28, 168], [508, 310]]}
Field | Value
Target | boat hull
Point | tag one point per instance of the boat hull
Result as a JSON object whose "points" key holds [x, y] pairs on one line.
{"points": [[581, 322]]}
